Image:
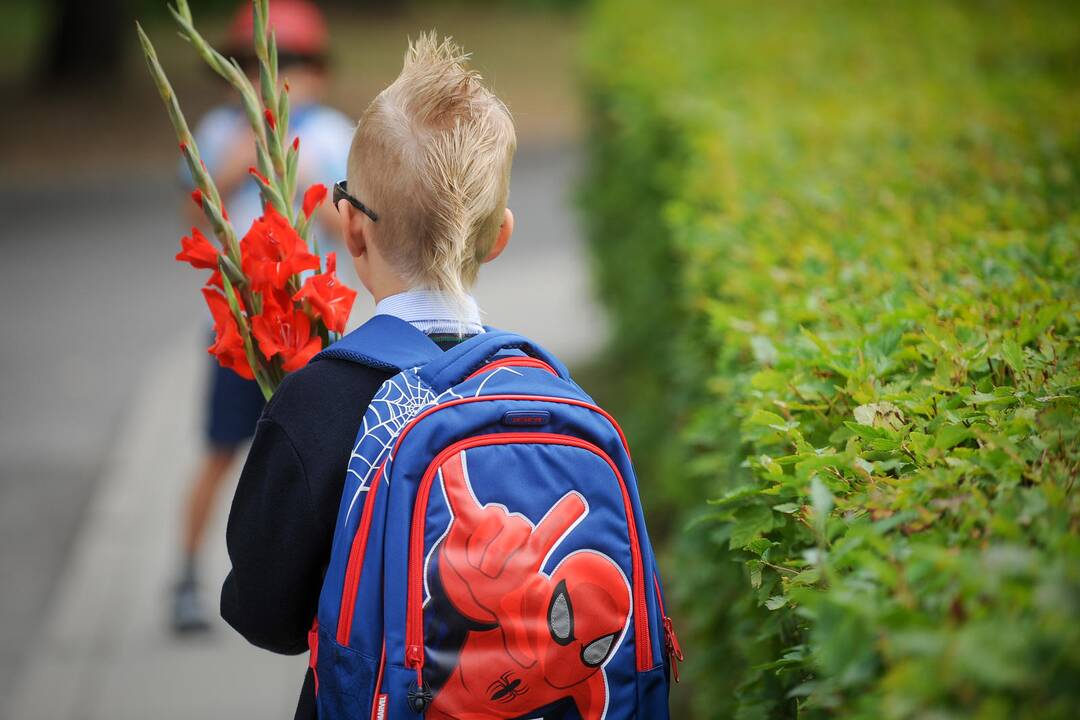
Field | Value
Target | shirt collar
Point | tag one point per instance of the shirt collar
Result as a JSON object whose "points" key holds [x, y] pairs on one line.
{"points": [[432, 311]]}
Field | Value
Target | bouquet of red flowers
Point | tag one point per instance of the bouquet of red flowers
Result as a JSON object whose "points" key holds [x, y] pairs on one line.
{"points": [[268, 318]]}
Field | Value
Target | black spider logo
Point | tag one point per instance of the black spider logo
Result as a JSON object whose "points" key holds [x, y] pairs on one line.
{"points": [[506, 688]]}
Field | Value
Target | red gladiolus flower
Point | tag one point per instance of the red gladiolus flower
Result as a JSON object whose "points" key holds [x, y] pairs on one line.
{"points": [[313, 197], [198, 251], [228, 346], [270, 119], [296, 143], [196, 195], [216, 281], [329, 298], [272, 251], [282, 329]]}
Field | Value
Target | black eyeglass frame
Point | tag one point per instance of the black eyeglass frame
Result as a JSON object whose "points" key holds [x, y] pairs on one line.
{"points": [[341, 192]]}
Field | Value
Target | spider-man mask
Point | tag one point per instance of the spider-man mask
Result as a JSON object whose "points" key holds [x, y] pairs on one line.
{"points": [[586, 615]]}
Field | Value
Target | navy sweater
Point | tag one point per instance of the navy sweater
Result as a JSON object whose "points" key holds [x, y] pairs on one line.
{"points": [[283, 514]]}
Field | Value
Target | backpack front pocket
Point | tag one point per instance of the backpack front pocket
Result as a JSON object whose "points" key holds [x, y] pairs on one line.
{"points": [[525, 548], [346, 678]]}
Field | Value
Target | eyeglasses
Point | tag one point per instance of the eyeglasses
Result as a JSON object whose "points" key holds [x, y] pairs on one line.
{"points": [[341, 192]]}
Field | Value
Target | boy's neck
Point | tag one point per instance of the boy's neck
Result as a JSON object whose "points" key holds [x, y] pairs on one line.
{"points": [[381, 294], [383, 285]]}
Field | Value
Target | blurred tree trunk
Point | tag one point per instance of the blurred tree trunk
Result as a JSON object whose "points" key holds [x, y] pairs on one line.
{"points": [[86, 42]]}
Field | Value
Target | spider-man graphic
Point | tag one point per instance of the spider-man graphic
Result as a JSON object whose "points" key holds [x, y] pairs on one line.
{"points": [[544, 638]]}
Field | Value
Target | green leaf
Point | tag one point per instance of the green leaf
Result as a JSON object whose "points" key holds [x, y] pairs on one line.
{"points": [[736, 496], [951, 435], [765, 418], [879, 415], [749, 523], [806, 577], [754, 566], [1013, 354], [776, 602], [865, 431]]}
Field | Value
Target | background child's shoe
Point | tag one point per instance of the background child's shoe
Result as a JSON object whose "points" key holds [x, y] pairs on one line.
{"points": [[188, 614]]}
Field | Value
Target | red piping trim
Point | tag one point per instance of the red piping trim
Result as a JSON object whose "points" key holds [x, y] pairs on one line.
{"points": [[356, 563], [414, 622], [536, 398], [659, 597], [514, 362], [378, 683]]}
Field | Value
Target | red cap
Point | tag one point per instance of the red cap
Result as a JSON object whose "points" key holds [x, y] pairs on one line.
{"points": [[298, 25]]}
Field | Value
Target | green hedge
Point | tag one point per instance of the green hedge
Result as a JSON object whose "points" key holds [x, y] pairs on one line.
{"points": [[841, 246]]}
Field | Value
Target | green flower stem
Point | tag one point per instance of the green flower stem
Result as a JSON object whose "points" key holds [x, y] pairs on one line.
{"points": [[222, 227], [291, 162], [211, 198], [266, 384], [226, 68], [231, 270], [272, 195]]}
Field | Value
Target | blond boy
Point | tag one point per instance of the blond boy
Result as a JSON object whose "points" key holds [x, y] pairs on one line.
{"points": [[423, 207]]}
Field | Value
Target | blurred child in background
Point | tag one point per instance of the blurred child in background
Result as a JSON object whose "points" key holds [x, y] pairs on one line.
{"points": [[227, 146]]}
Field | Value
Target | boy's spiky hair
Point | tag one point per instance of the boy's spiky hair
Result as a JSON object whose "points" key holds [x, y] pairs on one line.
{"points": [[432, 156]]}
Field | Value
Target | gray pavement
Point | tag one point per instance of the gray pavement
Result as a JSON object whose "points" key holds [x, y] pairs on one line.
{"points": [[89, 293], [99, 413]]}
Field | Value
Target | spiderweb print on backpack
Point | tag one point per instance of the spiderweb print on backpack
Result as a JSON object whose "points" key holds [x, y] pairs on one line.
{"points": [[399, 400]]}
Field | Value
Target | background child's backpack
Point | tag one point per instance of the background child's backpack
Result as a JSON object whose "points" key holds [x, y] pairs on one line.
{"points": [[490, 558]]}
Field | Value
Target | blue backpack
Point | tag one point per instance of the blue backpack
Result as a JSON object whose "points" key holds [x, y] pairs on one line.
{"points": [[490, 558]]}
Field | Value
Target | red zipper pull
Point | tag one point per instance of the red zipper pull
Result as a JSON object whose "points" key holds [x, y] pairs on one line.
{"points": [[414, 658], [419, 694], [313, 652], [674, 650]]}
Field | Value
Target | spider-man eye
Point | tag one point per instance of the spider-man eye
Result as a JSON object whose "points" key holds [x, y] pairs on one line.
{"points": [[597, 651], [561, 615]]}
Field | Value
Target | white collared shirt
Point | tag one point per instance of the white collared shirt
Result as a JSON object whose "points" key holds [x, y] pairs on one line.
{"points": [[431, 312]]}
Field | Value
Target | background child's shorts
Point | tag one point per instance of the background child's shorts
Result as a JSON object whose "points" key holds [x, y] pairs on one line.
{"points": [[235, 405]]}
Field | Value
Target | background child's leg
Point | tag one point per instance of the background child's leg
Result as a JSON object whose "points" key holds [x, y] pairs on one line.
{"points": [[232, 411], [204, 493]]}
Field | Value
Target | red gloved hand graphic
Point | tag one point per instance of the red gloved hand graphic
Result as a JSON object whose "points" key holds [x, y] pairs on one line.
{"points": [[490, 558]]}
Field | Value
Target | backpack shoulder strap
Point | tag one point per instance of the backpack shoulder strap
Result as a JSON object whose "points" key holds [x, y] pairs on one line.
{"points": [[384, 342]]}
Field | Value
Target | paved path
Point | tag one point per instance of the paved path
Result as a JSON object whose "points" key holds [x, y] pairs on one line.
{"points": [[87, 632], [89, 295]]}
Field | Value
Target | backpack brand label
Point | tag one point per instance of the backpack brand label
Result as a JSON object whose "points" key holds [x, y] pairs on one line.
{"points": [[526, 418], [380, 707]]}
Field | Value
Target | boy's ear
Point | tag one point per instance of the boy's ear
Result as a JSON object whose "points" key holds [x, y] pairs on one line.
{"points": [[505, 231], [352, 229]]}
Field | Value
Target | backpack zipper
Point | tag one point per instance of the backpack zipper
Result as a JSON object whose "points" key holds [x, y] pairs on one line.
{"points": [[414, 619], [356, 563], [671, 640]]}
